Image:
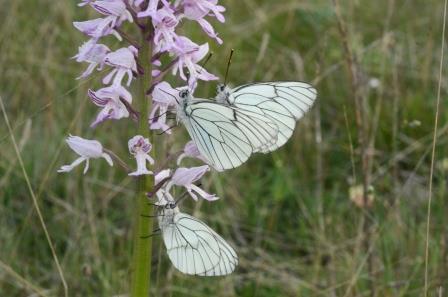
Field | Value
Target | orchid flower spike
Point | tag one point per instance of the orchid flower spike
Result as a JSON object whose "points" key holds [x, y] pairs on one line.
{"points": [[139, 147], [86, 149]]}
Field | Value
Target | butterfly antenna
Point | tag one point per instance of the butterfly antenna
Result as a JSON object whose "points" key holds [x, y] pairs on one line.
{"points": [[164, 131], [207, 59], [149, 216], [182, 197], [157, 187], [158, 116], [154, 232], [228, 66], [188, 73]]}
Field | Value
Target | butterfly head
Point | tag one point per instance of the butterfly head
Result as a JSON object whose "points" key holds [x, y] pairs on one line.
{"points": [[170, 205], [222, 93], [184, 94], [184, 97], [167, 212], [220, 88]]}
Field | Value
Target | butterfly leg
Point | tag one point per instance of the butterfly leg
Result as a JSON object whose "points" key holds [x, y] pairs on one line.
{"points": [[149, 216], [154, 232], [168, 129]]}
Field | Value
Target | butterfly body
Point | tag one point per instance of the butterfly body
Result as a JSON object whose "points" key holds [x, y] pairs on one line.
{"points": [[166, 219]]}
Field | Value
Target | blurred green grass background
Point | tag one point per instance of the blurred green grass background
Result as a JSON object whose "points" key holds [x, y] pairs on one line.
{"points": [[288, 214]]}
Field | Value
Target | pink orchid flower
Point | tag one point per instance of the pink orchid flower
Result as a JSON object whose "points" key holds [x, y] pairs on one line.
{"points": [[109, 99], [198, 9], [151, 9], [124, 63], [164, 22], [98, 28], [139, 147], [86, 149], [189, 54], [116, 8], [93, 54], [163, 98], [186, 177]]}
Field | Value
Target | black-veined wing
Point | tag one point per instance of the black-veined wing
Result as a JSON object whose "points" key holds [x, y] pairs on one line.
{"points": [[195, 249], [226, 136], [282, 102]]}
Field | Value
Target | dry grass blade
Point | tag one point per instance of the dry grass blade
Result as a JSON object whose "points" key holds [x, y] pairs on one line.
{"points": [[21, 280], [36, 205], [358, 271], [352, 151], [434, 142], [23, 140], [363, 126]]}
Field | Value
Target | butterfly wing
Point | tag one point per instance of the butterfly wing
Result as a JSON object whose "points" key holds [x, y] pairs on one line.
{"points": [[282, 102], [195, 249], [227, 136]]}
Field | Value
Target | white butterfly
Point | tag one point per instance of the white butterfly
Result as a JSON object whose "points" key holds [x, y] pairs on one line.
{"points": [[225, 135], [282, 102], [192, 246]]}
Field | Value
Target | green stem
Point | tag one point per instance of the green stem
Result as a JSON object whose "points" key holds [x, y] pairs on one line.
{"points": [[143, 225]]}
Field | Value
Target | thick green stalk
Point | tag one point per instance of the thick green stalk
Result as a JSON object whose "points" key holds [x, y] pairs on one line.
{"points": [[143, 224]]}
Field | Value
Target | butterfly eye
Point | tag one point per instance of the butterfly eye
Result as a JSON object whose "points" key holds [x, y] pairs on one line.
{"points": [[172, 205], [221, 87], [183, 94]]}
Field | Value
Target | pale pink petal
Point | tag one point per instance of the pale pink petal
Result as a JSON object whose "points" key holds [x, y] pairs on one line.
{"points": [[193, 188], [162, 175], [68, 168], [208, 29], [191, 150], [163, 93], [86, 149], [187, 176]]}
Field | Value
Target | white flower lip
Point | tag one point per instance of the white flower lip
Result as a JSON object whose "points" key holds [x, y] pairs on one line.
{"points": [[140, 147]]}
